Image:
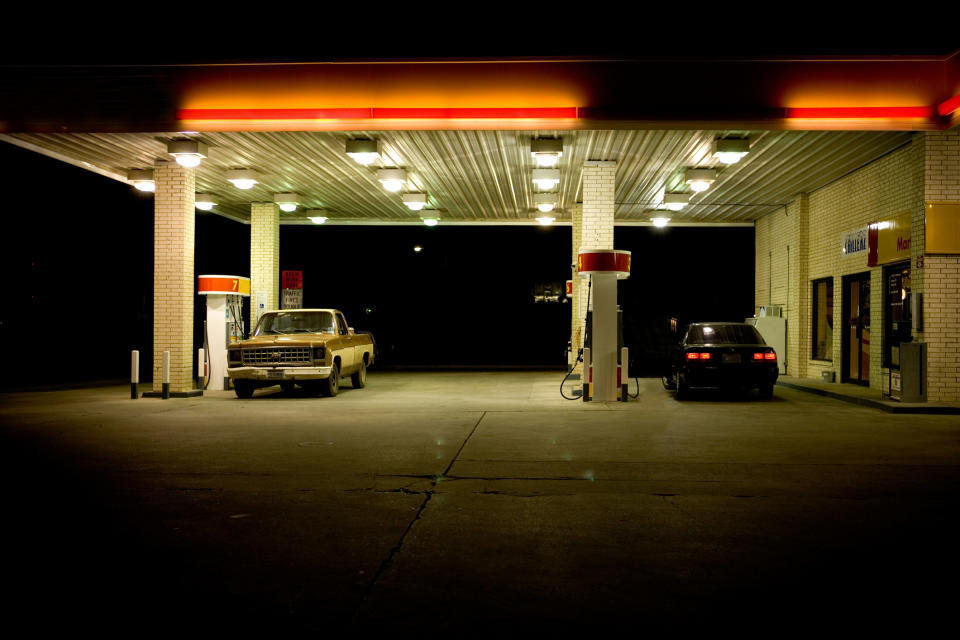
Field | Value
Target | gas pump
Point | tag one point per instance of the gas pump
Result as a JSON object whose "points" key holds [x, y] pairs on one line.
{"points": [[224, 323]]}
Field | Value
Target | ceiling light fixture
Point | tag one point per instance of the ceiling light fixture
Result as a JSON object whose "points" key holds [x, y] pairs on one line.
{"points": [[364, 150], [431, 221], [288, 201], [142, 179], [318, 216], [660, 222], [546, 151], [546, 179], [676, 201], [545, 201], [204, 202], [545, 221], [188, 153], [700, 179], [731, 150], [392, 179], [243, 178], [415, 201]]}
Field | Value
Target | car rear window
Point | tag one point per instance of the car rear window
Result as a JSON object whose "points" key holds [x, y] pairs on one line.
{"points": [[724, 334]]}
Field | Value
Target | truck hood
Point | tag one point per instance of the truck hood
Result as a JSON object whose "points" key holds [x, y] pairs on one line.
{"points": [[288, 340]]}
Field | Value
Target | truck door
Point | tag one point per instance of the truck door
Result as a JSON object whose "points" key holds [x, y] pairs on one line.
{"points": [[346, 354]]}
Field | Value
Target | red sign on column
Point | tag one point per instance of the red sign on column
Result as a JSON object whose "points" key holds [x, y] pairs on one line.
{"points": [[292, 280]]}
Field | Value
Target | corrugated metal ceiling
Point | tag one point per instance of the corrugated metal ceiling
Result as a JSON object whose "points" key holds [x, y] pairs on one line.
{"points": [[486, 175]]}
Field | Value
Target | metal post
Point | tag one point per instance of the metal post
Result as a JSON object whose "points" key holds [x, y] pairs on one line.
{"points": [[226, 378], [200, 369], [624, 374], [587, 374], [166, 376], [134, 373]]}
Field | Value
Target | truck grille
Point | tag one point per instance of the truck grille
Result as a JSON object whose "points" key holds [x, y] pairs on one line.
{"points": [[267, 356]]}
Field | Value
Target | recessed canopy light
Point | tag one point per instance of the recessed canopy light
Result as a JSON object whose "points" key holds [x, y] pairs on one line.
{"points": [[431, 221], [676, 201], [700, 179], [142, 179], [546, 179], [243, 178], [364, 150], [417, 248], [287, 201], [415, 201], [188, 153], [318, 216], [546, 151], [392, 179], [546, 221], [660, 222], [731, 150], [545, 201], [204, 202]]}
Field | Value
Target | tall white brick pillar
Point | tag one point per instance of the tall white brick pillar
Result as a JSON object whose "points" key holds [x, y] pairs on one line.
{"points": [[576, 312], [264, 259], [174, 288], [592, 228]]}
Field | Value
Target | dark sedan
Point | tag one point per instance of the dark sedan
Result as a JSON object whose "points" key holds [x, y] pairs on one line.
{"points": [[724, 355]]}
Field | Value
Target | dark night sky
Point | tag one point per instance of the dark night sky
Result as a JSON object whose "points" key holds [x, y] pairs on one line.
{"points": [[78, 255]]}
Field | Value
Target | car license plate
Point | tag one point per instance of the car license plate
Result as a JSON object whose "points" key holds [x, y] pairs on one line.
{"points": [[275, 374], [731, 357]]}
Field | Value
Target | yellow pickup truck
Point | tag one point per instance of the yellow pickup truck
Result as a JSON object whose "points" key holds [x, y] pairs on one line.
{"points": [[312, 348]]}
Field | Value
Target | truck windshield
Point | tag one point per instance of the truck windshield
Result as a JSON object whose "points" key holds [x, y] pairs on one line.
{"points": [[295, 322]]}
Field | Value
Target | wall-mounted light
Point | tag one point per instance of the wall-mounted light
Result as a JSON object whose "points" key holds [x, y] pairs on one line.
{"points": [[204, 202], [546, 179], [142, 179], [660, 221], [364, 150], [392, 179], [700, 179], [676, 201], [430, 221], [731, 150], [188, 153], [546, 151], [415, 201], [545, 201], [317, 216], [287, 201], [243, 178]]}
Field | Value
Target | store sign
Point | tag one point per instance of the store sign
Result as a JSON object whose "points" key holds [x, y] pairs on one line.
{"points": [[889, 240], [855, 242]]}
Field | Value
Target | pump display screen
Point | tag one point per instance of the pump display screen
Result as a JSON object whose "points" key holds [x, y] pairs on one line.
{"points": [[296, 322]]}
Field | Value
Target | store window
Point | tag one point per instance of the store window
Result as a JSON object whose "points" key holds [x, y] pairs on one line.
{"points": [[823, 319], [898, 323]]}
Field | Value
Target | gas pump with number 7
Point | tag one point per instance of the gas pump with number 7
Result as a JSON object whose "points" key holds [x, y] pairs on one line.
{"points": [[224, 324]]}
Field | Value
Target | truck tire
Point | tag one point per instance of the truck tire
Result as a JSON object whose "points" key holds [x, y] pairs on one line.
{"points": [[359, 379], [243, 389], [288, 386], [331, 385]]}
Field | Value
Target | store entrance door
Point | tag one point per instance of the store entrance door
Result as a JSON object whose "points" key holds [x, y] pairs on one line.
{"points": [[856, 333]]}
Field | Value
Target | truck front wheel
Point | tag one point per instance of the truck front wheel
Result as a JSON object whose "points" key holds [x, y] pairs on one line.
{"points": [[243, 389], [331, 385]]}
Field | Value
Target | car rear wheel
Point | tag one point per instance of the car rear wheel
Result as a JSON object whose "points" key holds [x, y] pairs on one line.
{"points": [[359, 379], [683, 392], [766, 391]]}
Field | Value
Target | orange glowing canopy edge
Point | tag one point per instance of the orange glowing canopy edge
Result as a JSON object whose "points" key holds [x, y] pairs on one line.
{"points": [[859, 112], [947, 107], [378, 113]]}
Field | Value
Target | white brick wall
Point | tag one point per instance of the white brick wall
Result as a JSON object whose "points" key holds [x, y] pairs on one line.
{"points": [[174, 289]]}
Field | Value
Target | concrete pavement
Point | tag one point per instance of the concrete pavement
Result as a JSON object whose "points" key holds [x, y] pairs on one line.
{"points": [[475, 503]]}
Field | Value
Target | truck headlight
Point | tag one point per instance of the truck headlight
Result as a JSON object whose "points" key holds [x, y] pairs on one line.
{"points": [[319, 353], [235, 356]]}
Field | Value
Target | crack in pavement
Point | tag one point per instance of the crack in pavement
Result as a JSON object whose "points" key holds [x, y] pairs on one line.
{"points": [[428, 495]]}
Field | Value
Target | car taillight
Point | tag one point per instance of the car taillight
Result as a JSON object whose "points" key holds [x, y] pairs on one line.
{"points": [[764, 355], [698, 355], [758, 355]]}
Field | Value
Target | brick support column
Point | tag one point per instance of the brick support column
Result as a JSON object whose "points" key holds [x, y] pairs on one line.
{"points": [[576, 312], [939, 278], [264, 259], [174, 288], [593, 228], [800, 292]]}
